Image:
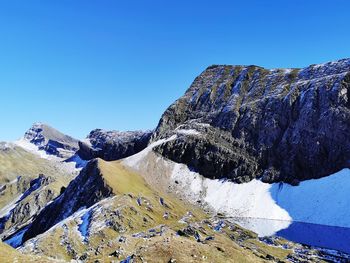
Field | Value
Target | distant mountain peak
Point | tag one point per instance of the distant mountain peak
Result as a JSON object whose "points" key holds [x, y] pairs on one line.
{"points": [[113, 145], [51, 140]]}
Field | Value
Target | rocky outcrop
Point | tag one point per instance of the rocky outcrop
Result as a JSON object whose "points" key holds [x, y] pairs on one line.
{"points": [[113, 145], [27, 184], [51, 140], [86, 189], [29, 204], [278, 125]]}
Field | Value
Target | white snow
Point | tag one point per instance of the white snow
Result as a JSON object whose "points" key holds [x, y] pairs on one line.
{"points": [[134, 160], [188, 132], [80, 218], [32, 148], [263, 227], [5, 146], [322, 201], [236, 200], [87, 141], [251, 199], [77, 161], [83, 227]]}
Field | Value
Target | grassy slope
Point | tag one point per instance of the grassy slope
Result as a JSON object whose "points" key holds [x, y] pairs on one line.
{"points": [[10, 255], [15, 162], [122, 216]]}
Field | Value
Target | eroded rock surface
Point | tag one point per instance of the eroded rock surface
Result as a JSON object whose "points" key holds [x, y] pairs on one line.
{"points": [[278, 125], [113, 145], [51, 140], [85, 190]]}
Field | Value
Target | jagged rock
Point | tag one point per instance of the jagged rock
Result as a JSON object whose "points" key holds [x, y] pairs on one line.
{"points": [[86, 189], [245, 122], [51, 140], [113, 145], [28, 205], [25, 209]]}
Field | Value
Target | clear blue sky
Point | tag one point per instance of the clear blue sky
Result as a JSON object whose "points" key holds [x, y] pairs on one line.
{"points": [[80, 65]]}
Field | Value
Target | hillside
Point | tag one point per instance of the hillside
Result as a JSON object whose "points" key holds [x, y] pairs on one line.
{"points": [[27, 183], [146, 225], [244, 146]]}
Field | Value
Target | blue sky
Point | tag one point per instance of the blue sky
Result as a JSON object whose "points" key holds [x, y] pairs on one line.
{"points": [[80, 65]]}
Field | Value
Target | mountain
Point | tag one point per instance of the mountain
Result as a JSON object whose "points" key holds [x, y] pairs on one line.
{"points": [[30, 178], [27, 183], [246, 122], [51, 140], [87, 189], [113, 145], [109, 212], [245, 146], [241, 162]]}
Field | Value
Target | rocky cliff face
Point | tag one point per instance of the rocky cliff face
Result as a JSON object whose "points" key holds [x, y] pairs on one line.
{"points": [[85, 190], [113, 145], [30, 203], [51, 140], [245, 122]]}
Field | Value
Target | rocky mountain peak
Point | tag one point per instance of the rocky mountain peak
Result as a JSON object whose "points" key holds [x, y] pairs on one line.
{"points": [[277, 125], [113, 145], [51, 140]]}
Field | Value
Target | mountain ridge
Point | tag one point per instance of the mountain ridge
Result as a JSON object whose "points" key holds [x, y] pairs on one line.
{"points": [[241, 141], [266, 112]]}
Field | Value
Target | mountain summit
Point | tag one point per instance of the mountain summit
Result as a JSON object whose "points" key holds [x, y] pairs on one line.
{"points": [[249, 122], [239, 147], [51, 140]]}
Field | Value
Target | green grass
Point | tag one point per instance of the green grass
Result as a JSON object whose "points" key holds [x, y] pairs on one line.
{"points": [[127, 187]]}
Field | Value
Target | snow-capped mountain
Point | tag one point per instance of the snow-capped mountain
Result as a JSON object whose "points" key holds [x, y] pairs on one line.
{"points": [[30, 178], [49, 140]]}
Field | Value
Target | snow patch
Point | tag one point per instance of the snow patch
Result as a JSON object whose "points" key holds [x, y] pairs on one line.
{"points": [[321, 201], [135, 160], [32, 148], [84, 226], [71, 167], [16, 240], [263, 227], [188, 132], [251, 199], [75, 159], [236, 200]]}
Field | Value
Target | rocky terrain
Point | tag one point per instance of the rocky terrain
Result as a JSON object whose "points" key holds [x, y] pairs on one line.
{"points": [[276, 125], [243, 142], [51, 140], [133, 222], [9, 255], [113, 145], [87, 189], [27, 183]]}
